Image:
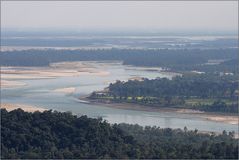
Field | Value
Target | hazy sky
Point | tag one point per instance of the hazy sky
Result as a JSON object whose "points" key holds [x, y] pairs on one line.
{"points": [[159, 15]]}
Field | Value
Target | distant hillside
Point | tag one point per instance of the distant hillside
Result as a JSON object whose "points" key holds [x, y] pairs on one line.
{"points": [[180, 60]]}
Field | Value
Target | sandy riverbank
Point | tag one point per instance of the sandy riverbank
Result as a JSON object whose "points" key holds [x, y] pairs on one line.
{"points": [[24, 107], [223, 118], [12, 76], [230, 119], [11, 84], [68, 90], [44, 73]]}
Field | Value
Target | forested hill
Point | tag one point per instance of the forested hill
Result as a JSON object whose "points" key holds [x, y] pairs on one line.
{"points": [[56, 135], [180, 59]]}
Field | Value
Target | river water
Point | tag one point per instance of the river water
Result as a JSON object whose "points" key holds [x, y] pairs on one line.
{"points": [[40, 92]]}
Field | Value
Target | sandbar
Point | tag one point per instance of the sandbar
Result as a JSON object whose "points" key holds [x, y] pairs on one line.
{"points": [[223, 118], [68, 90], [63, 69], [27, 108], [11, 84]]}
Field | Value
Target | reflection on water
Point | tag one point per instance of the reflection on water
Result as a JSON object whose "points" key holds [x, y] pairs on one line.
{"points": [[40, 92]]}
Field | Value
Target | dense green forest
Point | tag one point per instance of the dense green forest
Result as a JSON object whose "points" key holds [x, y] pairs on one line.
{"points": [[57, 135], [180, 91], [175, 60]]}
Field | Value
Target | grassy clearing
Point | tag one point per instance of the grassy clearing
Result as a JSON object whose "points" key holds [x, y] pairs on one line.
{"points": [[195, 101]]}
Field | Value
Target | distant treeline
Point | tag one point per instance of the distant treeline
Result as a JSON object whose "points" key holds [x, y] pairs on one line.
{"points": [[163, 92], [56, 135], [189, 85], [180, 60], [218, 106]]}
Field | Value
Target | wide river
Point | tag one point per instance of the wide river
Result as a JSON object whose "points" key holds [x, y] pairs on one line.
{"points": [[40, 92]]}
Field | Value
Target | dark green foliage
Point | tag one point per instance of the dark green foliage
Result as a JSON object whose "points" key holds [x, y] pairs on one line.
{"points": [[62, 135], [219, 106], [203, 86], [164, 92], [181, 144]]}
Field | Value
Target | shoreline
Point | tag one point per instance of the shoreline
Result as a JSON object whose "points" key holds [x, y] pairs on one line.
{"points": [[13, 78], [55, 70], [67, 90], [26, 108], [11, 84], [211, 116], [30, 108]]}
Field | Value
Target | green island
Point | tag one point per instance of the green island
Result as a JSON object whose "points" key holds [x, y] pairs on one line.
{"points": [[61, 135], [203, 92]]}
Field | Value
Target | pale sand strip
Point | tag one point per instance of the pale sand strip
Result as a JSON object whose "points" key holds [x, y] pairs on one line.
{"points": [[27, 108], [61, 69], [222, 118], [68, 90], [64, 69], [189, 111], [213, 117], [48, 73], [11, 84]]}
